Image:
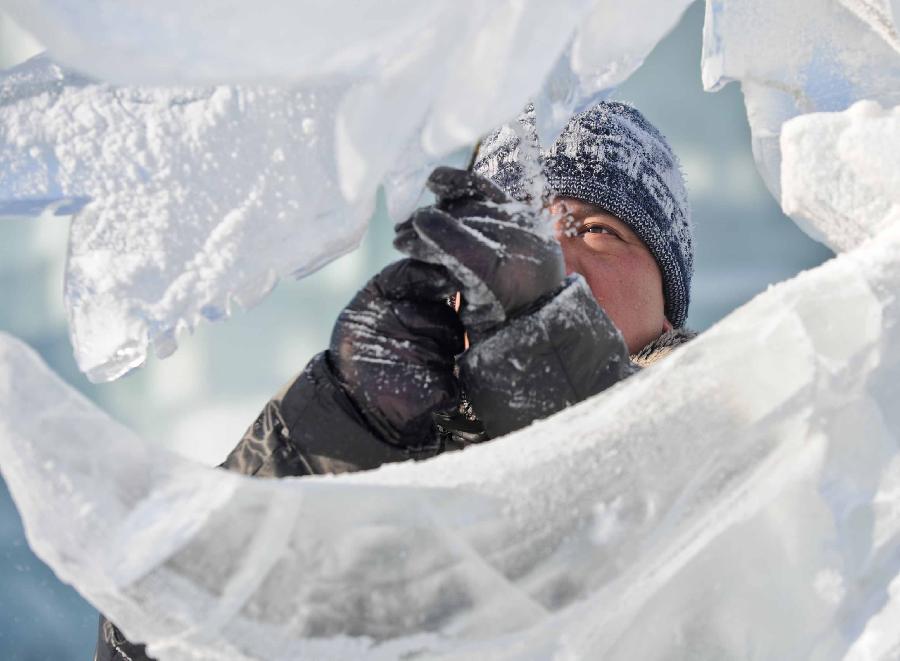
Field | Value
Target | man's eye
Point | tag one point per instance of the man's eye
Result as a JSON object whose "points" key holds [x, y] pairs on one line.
{"points": [[598, 229]]}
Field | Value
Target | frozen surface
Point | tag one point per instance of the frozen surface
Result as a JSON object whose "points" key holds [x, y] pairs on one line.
{"points": [[841, 172], [753, 512], [194, 197], [199, 197], [756, 514], [799, 57], [16, 45]]}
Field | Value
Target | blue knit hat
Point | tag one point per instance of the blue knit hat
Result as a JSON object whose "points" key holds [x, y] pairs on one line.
{"points": [[611, 156]]}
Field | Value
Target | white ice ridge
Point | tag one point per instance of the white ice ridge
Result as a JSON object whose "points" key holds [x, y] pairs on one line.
{"points": [[841, 172], [739, 500], [799, 57], [754, 515], [197, 196]]}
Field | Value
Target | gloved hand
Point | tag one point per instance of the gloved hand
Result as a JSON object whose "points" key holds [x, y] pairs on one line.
{"points": [[504, 259], [393, 346]]}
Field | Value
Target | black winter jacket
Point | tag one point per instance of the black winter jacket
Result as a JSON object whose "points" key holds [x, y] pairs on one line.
{"points": [[535, 365]]}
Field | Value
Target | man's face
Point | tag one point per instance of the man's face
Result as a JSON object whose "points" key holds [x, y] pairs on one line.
{"points": [[620, 270]]}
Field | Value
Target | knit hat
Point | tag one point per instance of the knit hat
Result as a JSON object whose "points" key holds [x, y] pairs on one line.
{"points": [[610, 156]]}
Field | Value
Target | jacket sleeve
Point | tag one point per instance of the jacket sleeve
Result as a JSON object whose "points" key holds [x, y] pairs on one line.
{"points": [[539, 363], [311, 427]]}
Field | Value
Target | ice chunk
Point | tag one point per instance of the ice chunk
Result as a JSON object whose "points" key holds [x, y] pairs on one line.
{"points": [[612, 42], [198, 197], [169, 42], [444, 72], [756, 509], [606, 48], [798, 57], [841, 172]]}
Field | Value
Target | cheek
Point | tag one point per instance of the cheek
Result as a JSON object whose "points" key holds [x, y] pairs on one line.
{"points": [[627, 285], [604, 274]]}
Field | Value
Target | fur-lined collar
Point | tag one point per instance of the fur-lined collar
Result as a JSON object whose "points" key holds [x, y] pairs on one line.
{"points": [[662, 346]]}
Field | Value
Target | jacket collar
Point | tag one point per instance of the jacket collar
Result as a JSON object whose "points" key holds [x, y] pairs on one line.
{"points": [[662, 346]]}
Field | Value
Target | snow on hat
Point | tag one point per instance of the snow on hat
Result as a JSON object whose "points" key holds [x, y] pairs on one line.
{"points": [[611, 156]]}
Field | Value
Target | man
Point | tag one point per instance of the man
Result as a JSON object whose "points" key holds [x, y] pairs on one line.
{"points": [[556, 306]]}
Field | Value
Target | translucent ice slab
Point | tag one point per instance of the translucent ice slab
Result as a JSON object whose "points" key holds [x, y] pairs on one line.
{"points": [[738, 500]]}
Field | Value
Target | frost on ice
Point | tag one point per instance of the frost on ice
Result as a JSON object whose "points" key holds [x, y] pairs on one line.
{"points": [[194, 197], [837, 174], [189, 188]]}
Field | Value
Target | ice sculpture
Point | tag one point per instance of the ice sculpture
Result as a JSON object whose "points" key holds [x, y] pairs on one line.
{"points": [[190, 188], [197, 197], [799, 57], [837, 174], [755, 514]]}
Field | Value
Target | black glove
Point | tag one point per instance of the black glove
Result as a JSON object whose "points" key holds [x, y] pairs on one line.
{"points": [[503, 255], [393, 349]]}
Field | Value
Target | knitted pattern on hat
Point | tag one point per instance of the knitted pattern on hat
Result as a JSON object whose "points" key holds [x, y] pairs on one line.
{"points": [[611, 156]]}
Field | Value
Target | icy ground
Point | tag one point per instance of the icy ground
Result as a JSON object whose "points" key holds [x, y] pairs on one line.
{"points": [[753, 512]]}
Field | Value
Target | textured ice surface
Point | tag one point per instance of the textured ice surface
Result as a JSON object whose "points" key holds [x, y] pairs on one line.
{"points": [[199, 197], [196, 196], [841, 172], [750, 512], [754, 515], [799, 57]]}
